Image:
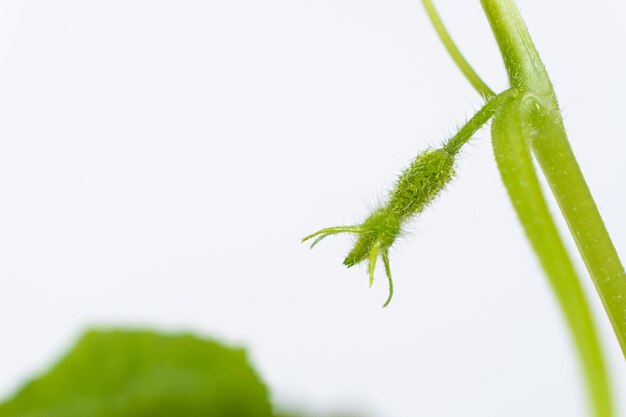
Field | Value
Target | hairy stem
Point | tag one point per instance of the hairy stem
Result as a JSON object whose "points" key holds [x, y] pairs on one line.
{"points": [[455, 53], [477, 121]]}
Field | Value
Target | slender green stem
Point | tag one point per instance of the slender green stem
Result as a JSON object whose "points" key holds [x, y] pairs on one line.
{"points": [[512, 152], [455, 53], [554, 154], [477, 121]]}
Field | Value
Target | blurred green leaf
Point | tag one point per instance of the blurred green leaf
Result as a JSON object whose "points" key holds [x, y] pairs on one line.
{"points": [[144, 374]]}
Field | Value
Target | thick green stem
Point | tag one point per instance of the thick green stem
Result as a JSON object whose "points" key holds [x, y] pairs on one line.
{"points": [[535, 122], [554, 154], [512, 152], [523, 64]]}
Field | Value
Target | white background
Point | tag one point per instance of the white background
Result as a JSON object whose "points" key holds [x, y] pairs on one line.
{"points": [[160, 160]]}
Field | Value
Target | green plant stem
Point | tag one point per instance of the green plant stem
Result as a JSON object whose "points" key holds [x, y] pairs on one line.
{"points": [[455, 53], [522, 62], [534, 122], [515, 163], [556, 159], [553, 152], [453, 146]]}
